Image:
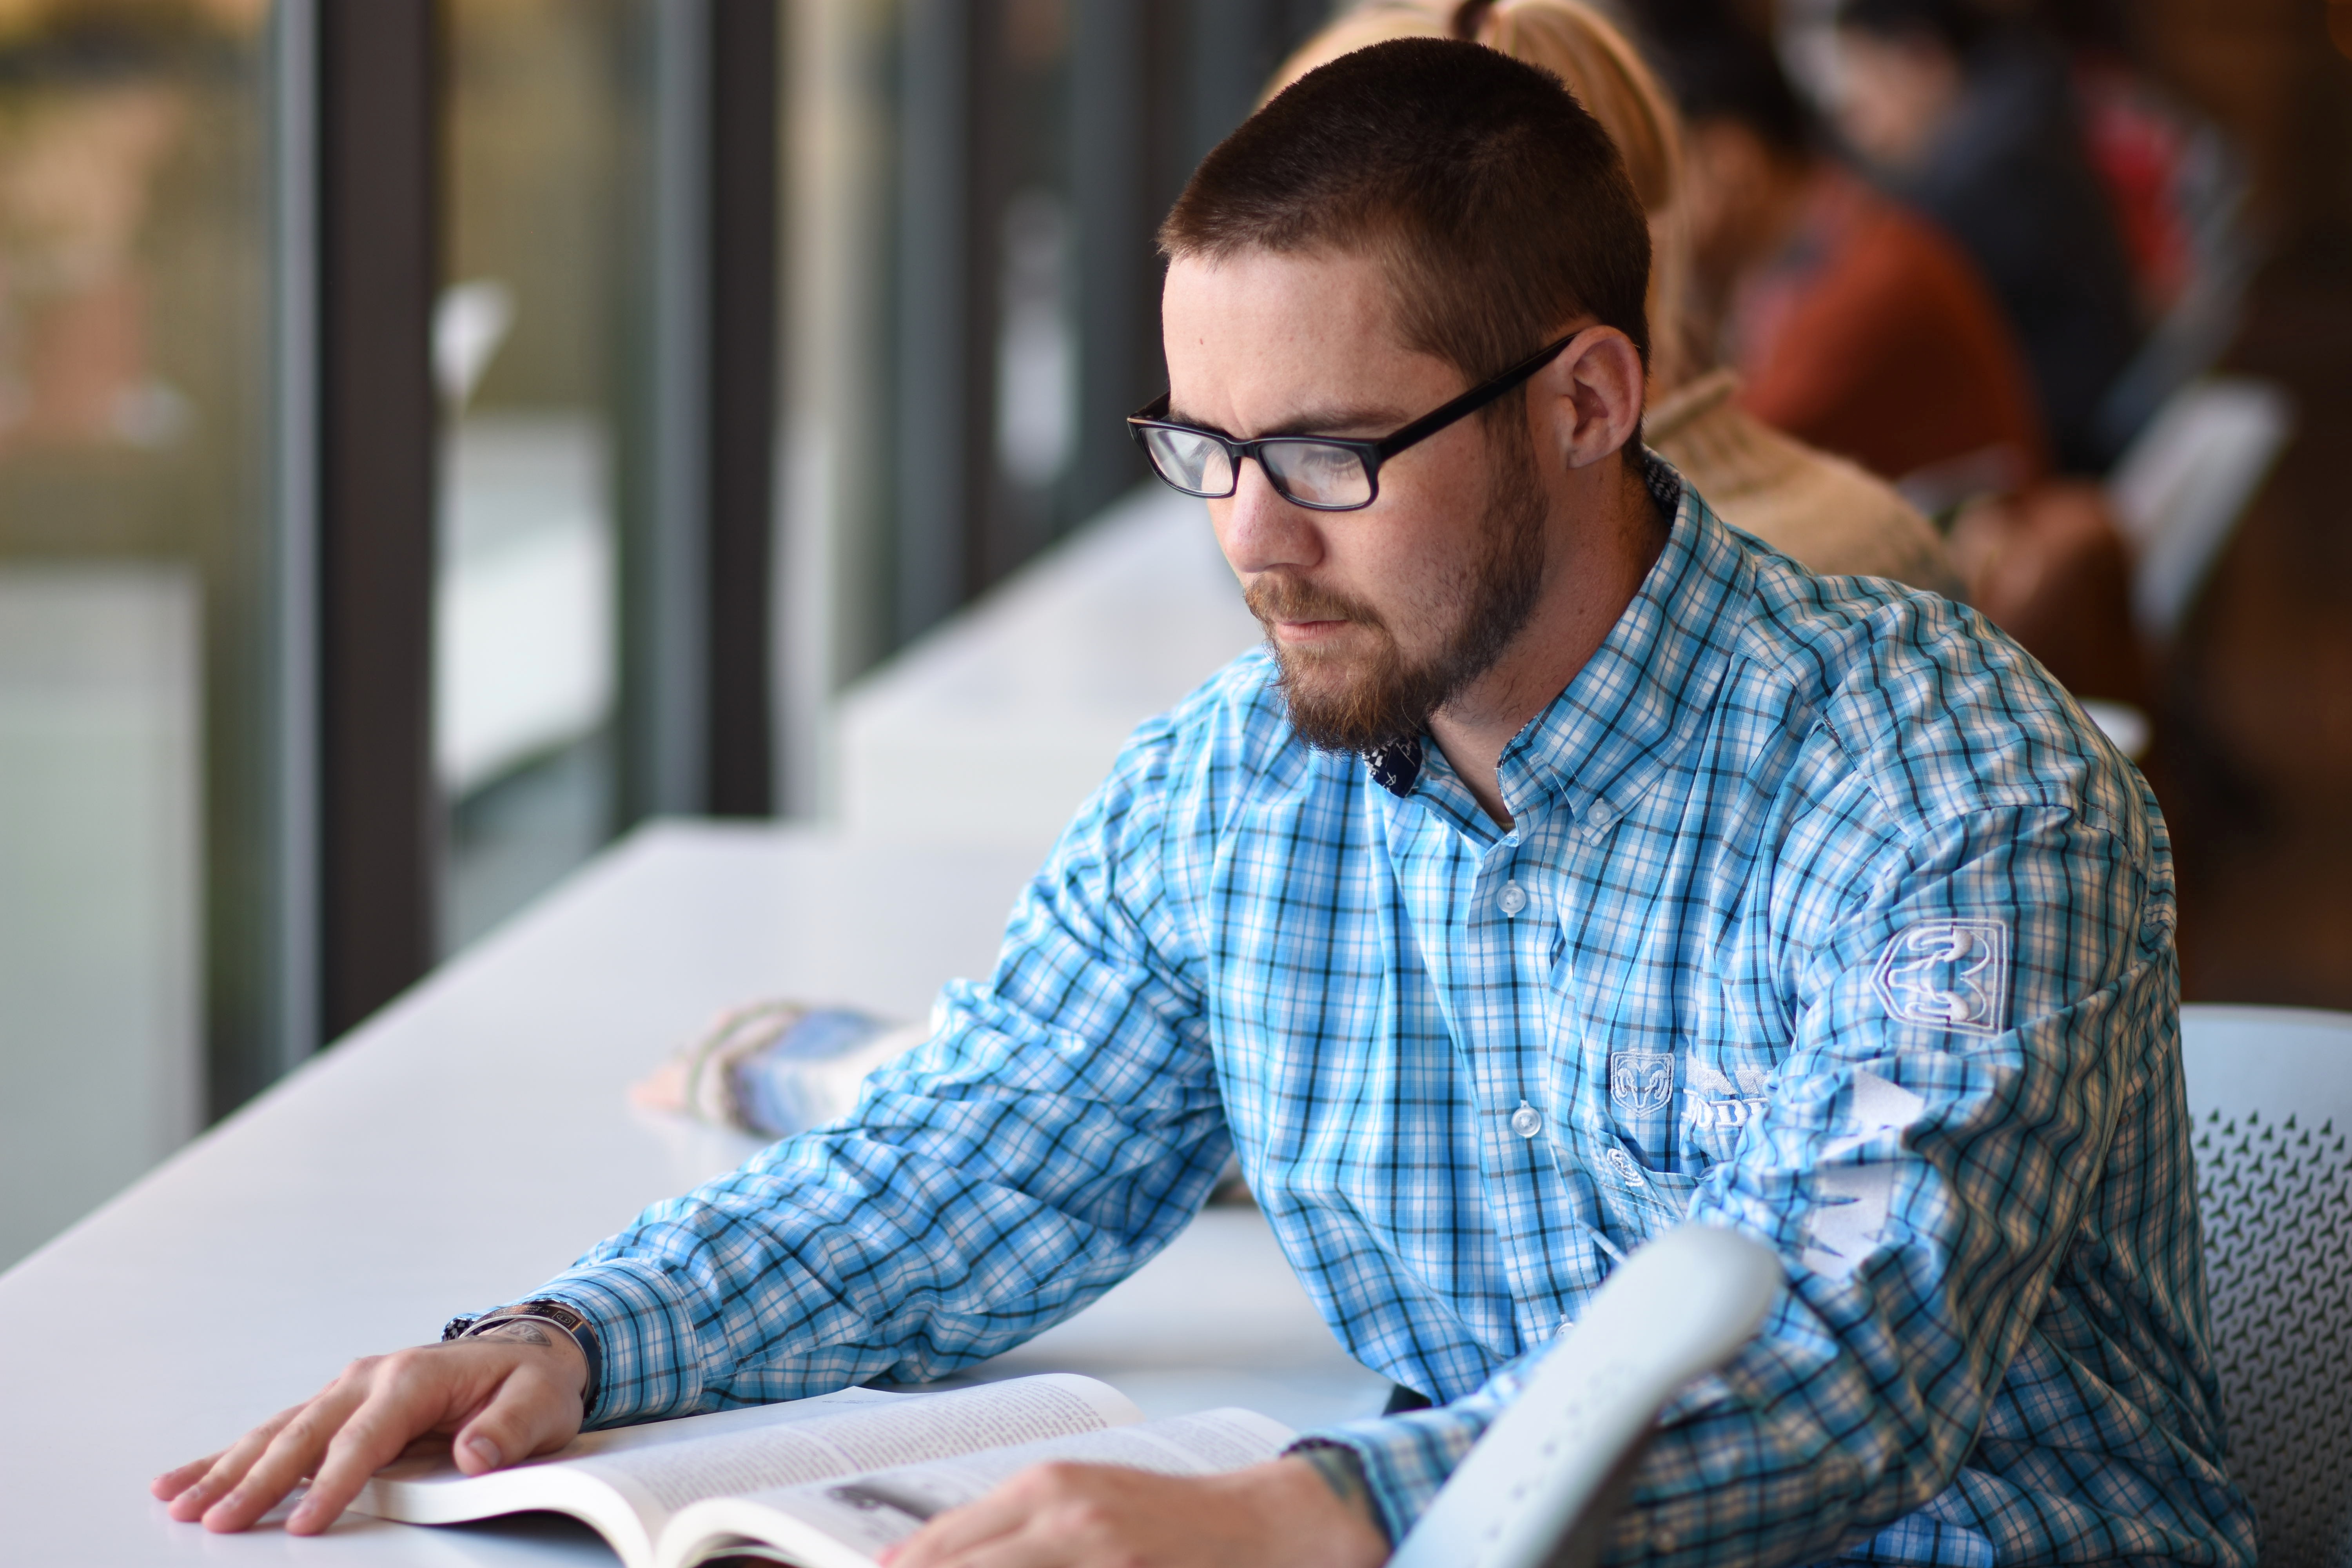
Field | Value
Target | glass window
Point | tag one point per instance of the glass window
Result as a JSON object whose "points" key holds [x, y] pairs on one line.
{"points": [[529, 348], [134, 609]]}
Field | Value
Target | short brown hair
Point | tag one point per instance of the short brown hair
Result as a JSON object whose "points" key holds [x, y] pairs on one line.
{"points": [[1499, 207]]}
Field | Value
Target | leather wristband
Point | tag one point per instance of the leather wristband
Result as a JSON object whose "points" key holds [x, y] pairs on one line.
{"points": [[561, 1315]]}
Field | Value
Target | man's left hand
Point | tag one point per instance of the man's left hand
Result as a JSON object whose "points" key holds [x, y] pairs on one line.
{"points": [[1096, 1516]]}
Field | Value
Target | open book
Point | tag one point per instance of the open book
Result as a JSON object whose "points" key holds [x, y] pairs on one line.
{"points": [[824, 1482]]}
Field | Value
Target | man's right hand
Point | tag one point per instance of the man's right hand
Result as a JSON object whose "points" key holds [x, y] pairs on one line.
{"points": [[501, 1397]]}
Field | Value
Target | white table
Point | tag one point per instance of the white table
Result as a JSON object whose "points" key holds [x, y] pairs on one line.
{"points": [[472, 1138]]}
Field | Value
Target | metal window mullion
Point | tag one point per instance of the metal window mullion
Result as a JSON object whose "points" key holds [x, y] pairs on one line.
{"points": [[665, 556], [1113, 262], [291, 910], [379, 808], [742, 324], [932, 437]]}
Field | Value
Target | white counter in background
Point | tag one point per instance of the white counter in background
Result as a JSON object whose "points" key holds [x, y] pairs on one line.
{"points": [[101, 882], [472, 1138], [995, 728]]}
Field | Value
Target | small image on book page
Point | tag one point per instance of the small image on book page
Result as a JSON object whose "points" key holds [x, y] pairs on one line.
{"points": [[876, 1510]]}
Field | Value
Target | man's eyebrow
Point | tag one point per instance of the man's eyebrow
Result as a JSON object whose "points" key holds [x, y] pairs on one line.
{"points": [[1332, 420]]}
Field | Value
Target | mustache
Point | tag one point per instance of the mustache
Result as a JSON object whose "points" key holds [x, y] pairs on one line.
{"points": [[1276, 596]]}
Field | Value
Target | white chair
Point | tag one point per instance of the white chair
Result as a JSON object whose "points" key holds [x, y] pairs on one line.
{"points": [[1540, 1488], [2271, 1092]]}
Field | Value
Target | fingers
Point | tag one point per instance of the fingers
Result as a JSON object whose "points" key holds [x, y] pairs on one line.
{"points": [[409, 1392], [171, 1483], [258, 1471], [535, 1411], [506, 1398], [193, 1494], [1049, 1513], [957, 1531], [1098, 1516]]}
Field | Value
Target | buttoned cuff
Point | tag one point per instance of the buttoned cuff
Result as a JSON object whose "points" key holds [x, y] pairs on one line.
{"points": [[1408, 1457], [652, 1355]]}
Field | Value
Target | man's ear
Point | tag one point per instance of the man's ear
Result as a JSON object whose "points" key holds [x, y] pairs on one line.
{"points": [[1588, 403]]}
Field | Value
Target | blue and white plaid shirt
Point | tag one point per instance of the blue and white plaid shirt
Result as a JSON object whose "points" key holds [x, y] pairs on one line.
{"points": [[1826, 916]]}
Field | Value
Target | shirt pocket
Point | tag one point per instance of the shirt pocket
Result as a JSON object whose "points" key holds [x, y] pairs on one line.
{"points": [[1636, 1203]]}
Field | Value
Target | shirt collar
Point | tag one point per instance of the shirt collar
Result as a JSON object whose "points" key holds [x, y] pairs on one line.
{"points": [[1644, 693]]}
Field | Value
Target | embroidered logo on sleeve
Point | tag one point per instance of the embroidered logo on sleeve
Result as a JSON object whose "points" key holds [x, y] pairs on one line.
{"points": [[1641, 1082], [1947, 975]]}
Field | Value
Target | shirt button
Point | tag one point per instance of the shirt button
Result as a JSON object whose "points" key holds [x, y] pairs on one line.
{"points": [[1527, 1120], [1513, 900]]}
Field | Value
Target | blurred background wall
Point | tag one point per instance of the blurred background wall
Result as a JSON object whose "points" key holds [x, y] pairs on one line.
{"points": [[2259, 691], [435, 437]]}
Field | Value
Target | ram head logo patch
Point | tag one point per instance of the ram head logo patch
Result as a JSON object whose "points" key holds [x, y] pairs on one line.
{"points": [[1947, 975], [1641, 1082]]}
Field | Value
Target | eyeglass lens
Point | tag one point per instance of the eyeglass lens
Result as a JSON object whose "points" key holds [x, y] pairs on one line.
{"points": [[1314, 473], [1193, 463]]}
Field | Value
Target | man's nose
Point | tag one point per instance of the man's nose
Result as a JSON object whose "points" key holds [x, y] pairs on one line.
{"points": [[1259, 530]]}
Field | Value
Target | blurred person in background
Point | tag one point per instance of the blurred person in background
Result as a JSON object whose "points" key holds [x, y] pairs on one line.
{"points": [[2048, 564], [1910, 319], [2137, 140], [1820, 510], [1854, 325], [2179, 189], [1976, 124]]}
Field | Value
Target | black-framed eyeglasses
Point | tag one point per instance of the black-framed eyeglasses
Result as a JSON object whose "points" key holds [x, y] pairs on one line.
{"points": [[1321, 473]]}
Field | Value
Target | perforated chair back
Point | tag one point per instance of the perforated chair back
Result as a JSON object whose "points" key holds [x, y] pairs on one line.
{"points": [[2270, 1091]]}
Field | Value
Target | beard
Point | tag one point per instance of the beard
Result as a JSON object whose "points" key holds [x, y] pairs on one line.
{"points": [[1359, 703]]}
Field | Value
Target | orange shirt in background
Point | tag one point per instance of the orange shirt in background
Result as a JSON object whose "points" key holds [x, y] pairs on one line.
{"points": [[1871, 335]]}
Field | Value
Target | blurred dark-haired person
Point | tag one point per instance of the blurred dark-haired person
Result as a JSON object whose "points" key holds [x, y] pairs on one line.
{"points": [[1821, 509], [1566, 868], [1975, 123], [1854, 325]]}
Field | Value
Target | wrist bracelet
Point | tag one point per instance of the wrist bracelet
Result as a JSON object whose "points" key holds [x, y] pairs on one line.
{"points": [[561, 1315]]}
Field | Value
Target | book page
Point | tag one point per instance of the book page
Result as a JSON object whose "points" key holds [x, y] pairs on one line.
{"points": [[869, 1511], [659, 1477], [712, 1424], [423, 1487]]}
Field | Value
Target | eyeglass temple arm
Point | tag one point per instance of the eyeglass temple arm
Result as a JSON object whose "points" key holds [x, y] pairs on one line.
{"points": [[1470, 401], [1429, 424]]}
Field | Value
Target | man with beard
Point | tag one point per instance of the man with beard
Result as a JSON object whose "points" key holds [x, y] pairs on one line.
{"points": [[1568, 867]]}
